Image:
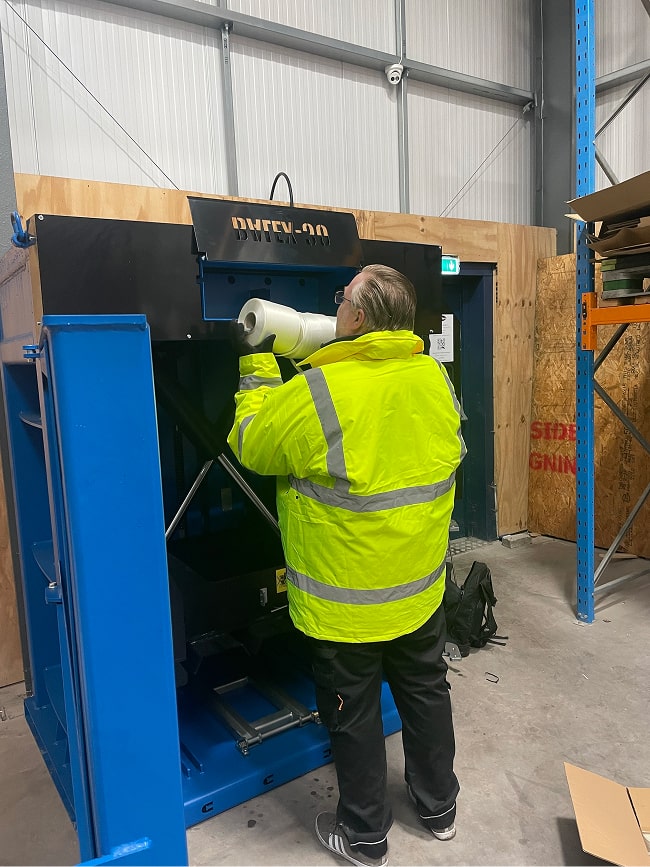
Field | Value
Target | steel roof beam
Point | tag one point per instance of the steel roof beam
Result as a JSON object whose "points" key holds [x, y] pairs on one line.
{"points": [[195, 12], [621, 76]]}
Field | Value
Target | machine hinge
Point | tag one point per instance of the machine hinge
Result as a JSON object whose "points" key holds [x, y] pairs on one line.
{"points": [[53, 594], [21, 237], [31, 351]]}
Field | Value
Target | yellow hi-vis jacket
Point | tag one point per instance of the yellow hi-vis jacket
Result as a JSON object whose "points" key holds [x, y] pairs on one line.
{"points": [[365, 445]]}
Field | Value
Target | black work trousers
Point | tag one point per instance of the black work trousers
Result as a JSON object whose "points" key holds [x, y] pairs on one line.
{"points": [[348, 695]]}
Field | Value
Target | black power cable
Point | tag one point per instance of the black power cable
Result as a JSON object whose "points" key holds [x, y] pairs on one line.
{"points": [[275, 180]]}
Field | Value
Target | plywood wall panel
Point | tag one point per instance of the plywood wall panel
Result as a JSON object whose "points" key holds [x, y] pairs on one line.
{"points": [[621, 466], [514, 321], [551, 489], [70, 197], [472, 240]]}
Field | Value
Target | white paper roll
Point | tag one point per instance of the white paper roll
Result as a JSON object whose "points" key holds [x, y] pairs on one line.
{"points": [[297, 335]]}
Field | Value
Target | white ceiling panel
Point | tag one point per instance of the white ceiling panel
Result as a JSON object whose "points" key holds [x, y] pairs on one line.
{"points": [[143, 105], [469, 157], [484, 38], [624, 143], [332, 128], [622, 34], [370, 23]]}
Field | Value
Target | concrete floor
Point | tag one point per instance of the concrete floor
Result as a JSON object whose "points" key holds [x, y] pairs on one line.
{"points": [[566, 692]]}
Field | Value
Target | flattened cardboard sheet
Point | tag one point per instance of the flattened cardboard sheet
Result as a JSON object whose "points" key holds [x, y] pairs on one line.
{"points": [[628, 199], [607, 822], [629, 240], [641, 802]]}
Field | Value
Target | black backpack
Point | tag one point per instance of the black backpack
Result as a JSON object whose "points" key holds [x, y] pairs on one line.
{"points": [[468, 609]]}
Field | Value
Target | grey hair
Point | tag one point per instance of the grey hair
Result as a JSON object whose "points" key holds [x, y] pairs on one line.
{"points": [[387, 298]]}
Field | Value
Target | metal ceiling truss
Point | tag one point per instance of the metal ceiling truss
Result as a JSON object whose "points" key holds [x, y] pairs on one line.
{"points": [[195, 12]]}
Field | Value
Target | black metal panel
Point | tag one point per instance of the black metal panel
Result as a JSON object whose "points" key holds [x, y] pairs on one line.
{"points": [[421, 263], [92, 266], [469, 298], [245, 232], [95, 266]]}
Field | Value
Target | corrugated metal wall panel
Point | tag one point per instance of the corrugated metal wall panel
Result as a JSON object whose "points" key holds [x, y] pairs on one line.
{"points": [[488, 39], [160, 80], [622, 34], [19, 88], [469, 157], [370, 23], [331, 127], [624, 143]]}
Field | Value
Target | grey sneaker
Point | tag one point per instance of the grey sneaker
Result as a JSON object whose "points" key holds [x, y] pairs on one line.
{"points": [[435, 823], [334, 838]]}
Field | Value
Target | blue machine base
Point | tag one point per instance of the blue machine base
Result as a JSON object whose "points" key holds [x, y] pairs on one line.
{"points": [[52, 741], [216, 776]]}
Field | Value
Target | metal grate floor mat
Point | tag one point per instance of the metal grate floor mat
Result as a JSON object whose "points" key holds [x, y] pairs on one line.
{"points": [[466, 543]]}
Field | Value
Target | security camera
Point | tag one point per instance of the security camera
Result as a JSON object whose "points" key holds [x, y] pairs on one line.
{"points": [[394, 73]]}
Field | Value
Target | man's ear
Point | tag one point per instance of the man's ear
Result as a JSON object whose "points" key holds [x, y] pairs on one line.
{"points": [[359, 320]]}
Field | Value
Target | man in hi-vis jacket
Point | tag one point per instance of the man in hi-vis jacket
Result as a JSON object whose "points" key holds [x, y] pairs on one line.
{"points": [[365, 445]]}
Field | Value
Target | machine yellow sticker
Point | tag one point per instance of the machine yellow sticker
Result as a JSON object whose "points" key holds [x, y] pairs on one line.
{"points": [[280, 580]]}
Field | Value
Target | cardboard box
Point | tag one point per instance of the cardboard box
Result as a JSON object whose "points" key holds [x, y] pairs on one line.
{"points": [[624, 210], [613, 820]]}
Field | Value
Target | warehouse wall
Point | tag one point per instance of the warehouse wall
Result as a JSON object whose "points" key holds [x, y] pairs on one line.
{"points": [[146, 105], [621, 465], [622, 40], [158, 116], [159, 80]]}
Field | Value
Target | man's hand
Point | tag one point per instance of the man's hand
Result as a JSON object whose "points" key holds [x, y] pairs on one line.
{"points": [[241, 345]]}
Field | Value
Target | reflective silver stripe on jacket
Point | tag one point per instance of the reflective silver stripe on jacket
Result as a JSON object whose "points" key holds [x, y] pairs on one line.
{"points": [[362, 597], [340, 495], [343, 499], [247, 383], [330, 423], [457, 407], [242, 427]]}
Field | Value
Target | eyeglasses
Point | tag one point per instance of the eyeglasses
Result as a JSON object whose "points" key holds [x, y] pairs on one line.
{"points": [[339, 297]]}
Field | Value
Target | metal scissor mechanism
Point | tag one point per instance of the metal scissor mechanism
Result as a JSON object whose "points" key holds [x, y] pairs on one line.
{"points": [[290, 713], [240, 481]]}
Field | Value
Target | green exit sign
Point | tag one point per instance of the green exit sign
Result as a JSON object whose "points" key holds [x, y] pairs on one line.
{"points": [[450, 265]]}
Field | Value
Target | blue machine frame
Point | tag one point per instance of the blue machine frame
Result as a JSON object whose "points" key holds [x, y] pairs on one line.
{"points": [[82, 423]]}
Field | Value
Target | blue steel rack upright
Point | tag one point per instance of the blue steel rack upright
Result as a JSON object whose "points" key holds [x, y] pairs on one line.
{"points": [[585, 107], [588, 317]]}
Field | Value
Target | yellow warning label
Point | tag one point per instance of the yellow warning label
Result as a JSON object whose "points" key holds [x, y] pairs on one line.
{"points": [[280, 580]]}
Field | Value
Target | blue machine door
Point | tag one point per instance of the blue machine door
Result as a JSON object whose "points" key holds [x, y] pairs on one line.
{"points": [[107, 575]]}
